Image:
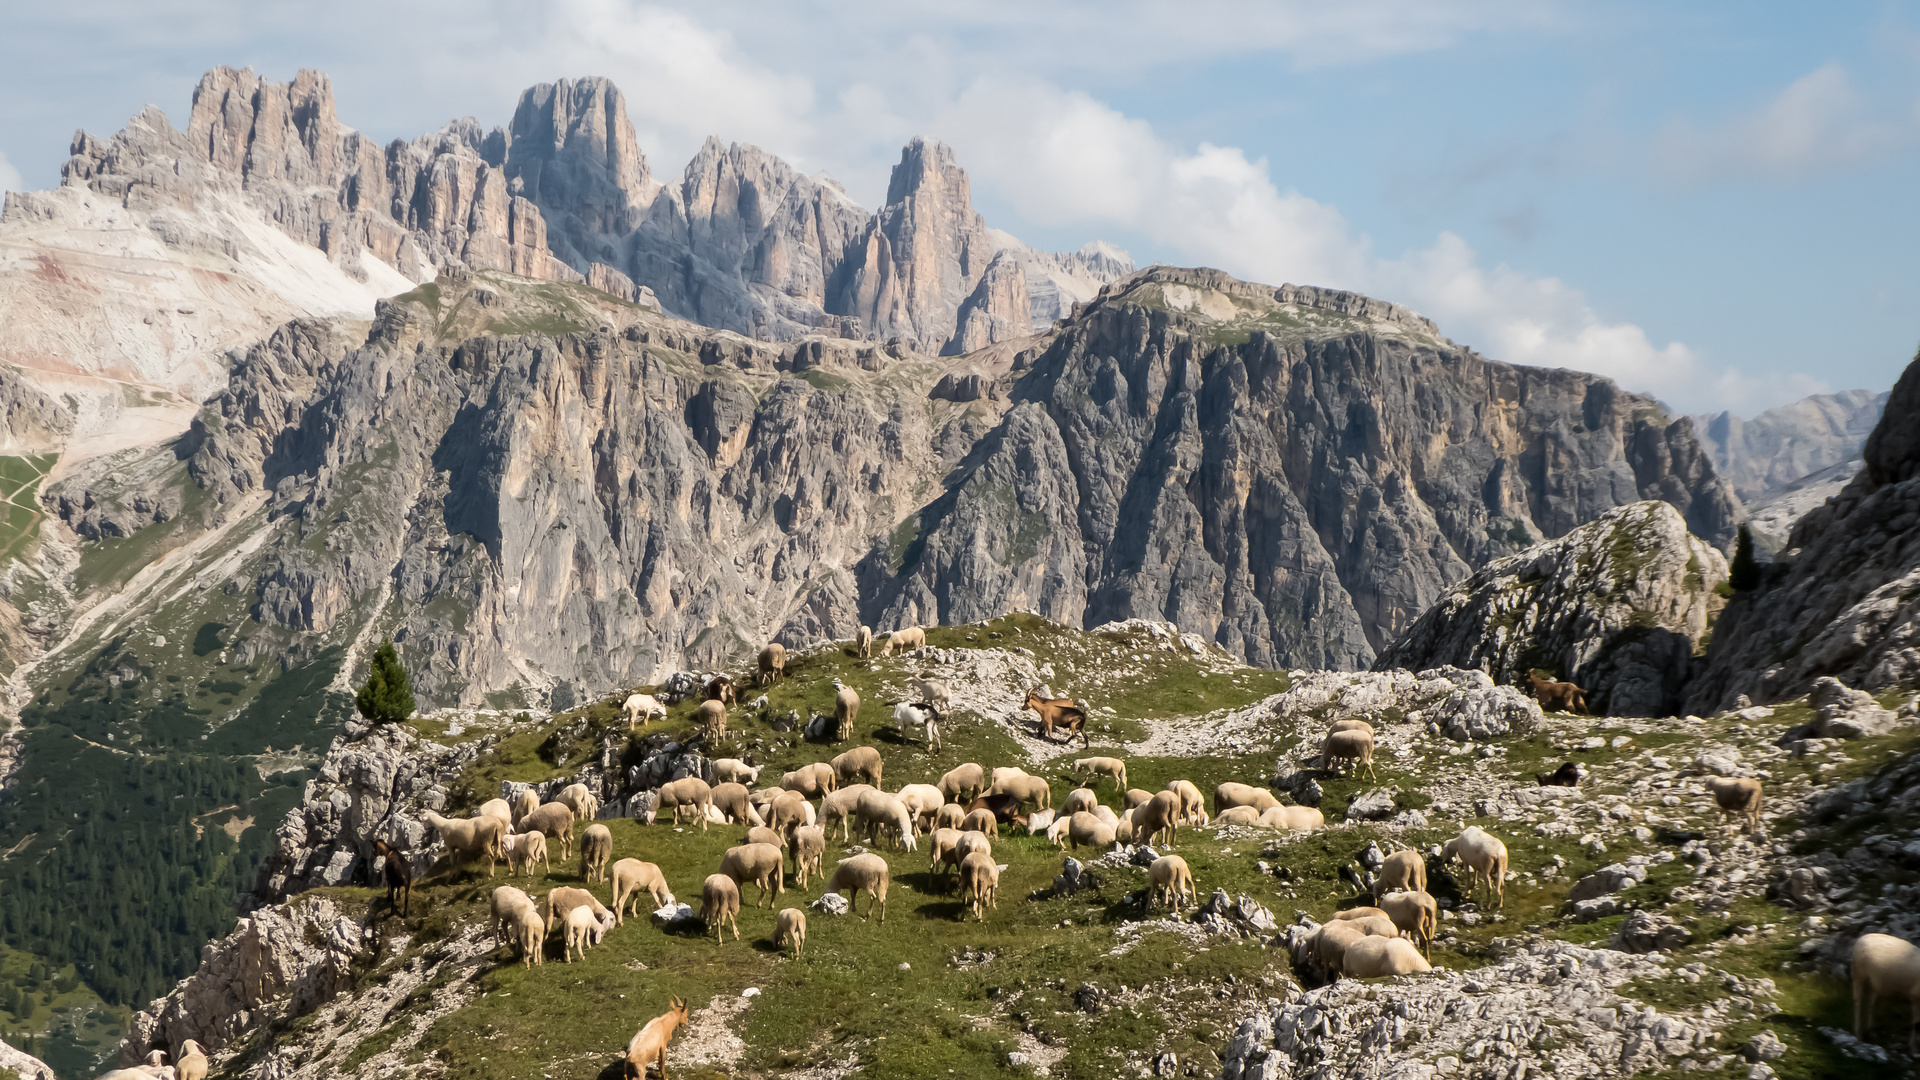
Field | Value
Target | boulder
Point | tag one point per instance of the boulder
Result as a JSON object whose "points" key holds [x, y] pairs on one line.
{"points": [[1841, 712], [1374, 805], [1645, 932]]}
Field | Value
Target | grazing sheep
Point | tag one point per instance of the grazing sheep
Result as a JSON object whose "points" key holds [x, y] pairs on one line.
{"points": [[878, 810], [1567, 775], [981, 821], [773, 663], [934, 692], [721, 689], [924, 715], [1484, 855], [790, 928], [808, 844], [1193, 809], [979, 879], [762, 864], [649, 1045], [528, 932], [911, 638], [713, 721], [631, 877], [859, 763], [1057, 832], [846, 709], [1239, 815], [760, 834], [1111, 767], [582, 929], [1024, 788], [1401, 870], [1001, 772], [1557, 696], [1232, 794], [688, 791], [1327, 946], [1352, 745], [1077, 800], [1372, 957], [940, 846], [469, 836], [585, 804], [556, 820], [1064, 712], [1350, 725], [734, 803], [1105, 813], [505, 902], [1169, 882], [1738, 797], [720, 905], [397, 872], [565, 899], [641, 709], [1884, 965], [923, 801], [866, 871], [596, 851], [191, 1063], [841, 806], [524, 801], [812, 780], [863, 642], [1158, 820], [728, 770], [1123, 831], [789, 811], [1039, 821], [962, 782], [973, 841], [1416, 913], [1293, 818], [525, 849], [1137, 797], [497, 808], [949, 816]]}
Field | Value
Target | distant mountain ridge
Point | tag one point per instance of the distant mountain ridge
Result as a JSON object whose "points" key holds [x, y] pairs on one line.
{"points": [[1766, 455]]}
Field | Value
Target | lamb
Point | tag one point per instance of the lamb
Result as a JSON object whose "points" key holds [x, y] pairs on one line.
{"points": [[924, 715], [528, 932], [1416, 914], [1293, 818], [524, 801], [631, 877], [940, 845], [191, 1063], [734, 803], [1039, 821], [733, 770], [790, 811], [556, 820], [762, 864], [934, 692], [790, 928], [841, 806], [865, 871], [497, 808], [565, 899], [923, 801], [469, 836], [596, 851], [1231, 794], [649, 1045], [1057, 832], [1158, 820], [1401, 870], [863, 642], [1484, 855], [911, 638], [582, 929], [585, 805], [1024, 788], [979, 879], [812, 780], [981, 821], [862, 763], [846, 709], [1077, 800], [505, 903], [641, 709], [688, 791], [525, 849], [962, 782], [1372, 957], [1085, 828], [1884, 965], [809, 843], [878, 810], [713, 721], [773, 663], [1737, 797], [1170, 882], [1111, 767], [397, 872], [1064, 712], [1351, 745], [949, 816], [1567, 775], [720, 905]]}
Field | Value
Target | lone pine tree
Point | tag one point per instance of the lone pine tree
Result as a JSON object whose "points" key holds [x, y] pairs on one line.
{"points": [[387, 697]]}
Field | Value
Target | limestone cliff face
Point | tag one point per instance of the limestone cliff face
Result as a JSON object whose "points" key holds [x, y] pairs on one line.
{"points": [[1843, 599], [1764, 456], [1295, 473], [1617, 606]]}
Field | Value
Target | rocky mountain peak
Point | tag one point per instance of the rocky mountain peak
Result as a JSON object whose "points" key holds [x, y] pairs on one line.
{"points": [[243, 123], [573, 152]]}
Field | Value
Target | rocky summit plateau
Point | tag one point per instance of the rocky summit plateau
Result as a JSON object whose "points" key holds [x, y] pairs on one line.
{"points": [[675, 507]]}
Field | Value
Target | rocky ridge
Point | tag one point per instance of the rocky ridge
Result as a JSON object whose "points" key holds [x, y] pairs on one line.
{"points": [[1766, 455], [1617, 606]]}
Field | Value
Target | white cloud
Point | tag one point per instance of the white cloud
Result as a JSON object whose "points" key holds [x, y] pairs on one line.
{"points": [[1819, 123], [9, 176]]}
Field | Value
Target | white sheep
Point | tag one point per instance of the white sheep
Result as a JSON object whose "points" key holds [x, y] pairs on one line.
{"points": [[1416, 913], [1484, 855], [841, 806], [1169, 881], [924, 716], [963, 782], [1351, 745], [762, 864], [191, 1062], [631, 878], [1085, 828], [807, 843], [688, 792], [528, 932], [867, 872], [497, 808], [790, 928], [565, 899], [878, 810], [863, 642], [1057, 831], [1293, 818], [1374, 956], [1326, 947], [522, 850], [1040, 821], [524, 801], [1077, 800], [641, 709], [733, 770], [505, 902], [1232, 794], [813, 780], [1401, 870], [1884, 965], [923, 801], [596, 851], [1193, 810], [979, 881], [582, 930], [720, 904], [860, 763], [556, 820], [581, 800], [911, 638], [470, 836], [1111, 767], [950, 815]]}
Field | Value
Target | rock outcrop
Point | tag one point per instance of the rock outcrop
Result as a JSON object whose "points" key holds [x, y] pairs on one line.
{"points": [[1296, 474], [1843, 599], [1764, 456], [1617, 606], [1460, 704], [26, 1065]]}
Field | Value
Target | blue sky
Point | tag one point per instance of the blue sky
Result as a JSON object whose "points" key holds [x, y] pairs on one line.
{"points": [[1711, 202]]}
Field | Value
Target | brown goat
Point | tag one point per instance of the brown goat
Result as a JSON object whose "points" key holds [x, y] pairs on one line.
{"points": [[649, 1045], [1065, 712], [1557, 696], [397, 872]]}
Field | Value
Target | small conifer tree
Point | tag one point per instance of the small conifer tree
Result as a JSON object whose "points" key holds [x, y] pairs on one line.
{"points": [[1744, 574], [387, 697]]}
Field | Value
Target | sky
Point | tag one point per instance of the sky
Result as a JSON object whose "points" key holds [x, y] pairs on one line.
{"points": [[1709, 202]]}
